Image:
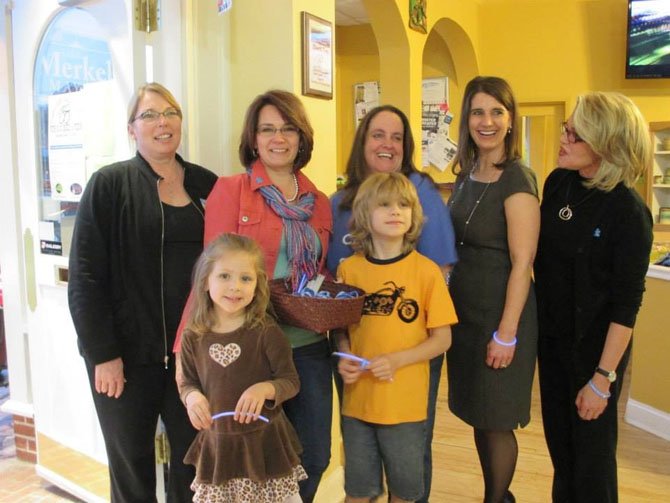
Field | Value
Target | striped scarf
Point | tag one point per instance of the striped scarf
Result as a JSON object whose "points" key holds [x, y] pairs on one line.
{"points": [[300, 237]]}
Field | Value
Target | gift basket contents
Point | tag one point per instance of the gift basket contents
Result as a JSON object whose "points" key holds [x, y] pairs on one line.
{"points": [[316, 304]]}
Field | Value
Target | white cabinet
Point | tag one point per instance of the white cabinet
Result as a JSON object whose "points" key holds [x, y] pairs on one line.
{"points": [[659, 179]]}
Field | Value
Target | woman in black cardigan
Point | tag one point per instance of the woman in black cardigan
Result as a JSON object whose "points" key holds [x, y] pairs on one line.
{"points": [[138, 232], [593, 254]]}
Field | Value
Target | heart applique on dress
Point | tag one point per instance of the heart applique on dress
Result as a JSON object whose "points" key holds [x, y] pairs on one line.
{"points": [[225, 355]]}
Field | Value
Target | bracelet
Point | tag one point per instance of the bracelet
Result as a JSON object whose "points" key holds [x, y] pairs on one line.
{"points": [[503, 343], [598, 392]]}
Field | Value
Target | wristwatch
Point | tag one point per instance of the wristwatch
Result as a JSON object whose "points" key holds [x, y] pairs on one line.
{"points": [[610, 374]]}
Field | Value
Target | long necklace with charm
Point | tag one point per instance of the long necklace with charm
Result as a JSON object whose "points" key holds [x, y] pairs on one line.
{"points": [[565, 213], [477, 201]]}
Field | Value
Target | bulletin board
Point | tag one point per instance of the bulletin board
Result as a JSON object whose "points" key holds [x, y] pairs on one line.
{"points": [[438, 149]]}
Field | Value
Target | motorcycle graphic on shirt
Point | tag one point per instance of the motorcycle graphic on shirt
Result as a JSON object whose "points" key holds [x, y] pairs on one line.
{"points": [[383, 301]]}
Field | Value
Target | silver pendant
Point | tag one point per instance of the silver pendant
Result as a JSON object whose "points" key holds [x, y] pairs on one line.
{"points": [[565, 213]]}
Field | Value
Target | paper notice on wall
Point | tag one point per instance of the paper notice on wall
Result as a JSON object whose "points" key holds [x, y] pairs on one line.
{"points": [[441, 152], [435, 120], [67, 162], [435, 90], [366, 97]]}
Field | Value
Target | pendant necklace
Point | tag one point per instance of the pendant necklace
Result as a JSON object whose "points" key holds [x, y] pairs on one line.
{"points": [[565, 213], [477, 201]]}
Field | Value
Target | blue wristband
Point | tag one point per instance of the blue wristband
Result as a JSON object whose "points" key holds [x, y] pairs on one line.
{"points": [[598, 392], [503, 343]]}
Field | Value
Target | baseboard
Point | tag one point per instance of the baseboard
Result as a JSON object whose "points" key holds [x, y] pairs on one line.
{"points": [[68, 485], [648, 418], [18, 408]]}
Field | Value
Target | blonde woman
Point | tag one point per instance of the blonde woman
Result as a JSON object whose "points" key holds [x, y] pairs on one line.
{"points": [[593, 254], [137, 235]]}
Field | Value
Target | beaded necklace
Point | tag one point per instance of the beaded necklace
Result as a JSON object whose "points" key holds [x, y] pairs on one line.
{"points": [[295, 190]]}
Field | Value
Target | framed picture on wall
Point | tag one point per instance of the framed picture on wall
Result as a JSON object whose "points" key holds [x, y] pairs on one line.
{"points": [[417, 15], [317, 56]]}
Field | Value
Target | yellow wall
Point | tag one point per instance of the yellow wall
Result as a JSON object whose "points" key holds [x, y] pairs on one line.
{"points": [[388, 51], [650, 376], [549, 50], [266, 53], [553, 50], [357, 60]]}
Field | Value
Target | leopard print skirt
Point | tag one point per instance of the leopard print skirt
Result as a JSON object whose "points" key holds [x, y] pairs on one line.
{"points": [[249, 491]]}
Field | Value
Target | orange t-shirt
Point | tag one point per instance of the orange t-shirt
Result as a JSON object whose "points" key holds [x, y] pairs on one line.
{"points": [[405, 297]]}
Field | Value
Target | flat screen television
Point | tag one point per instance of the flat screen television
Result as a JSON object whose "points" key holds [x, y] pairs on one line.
{"points": [[648, 41]]}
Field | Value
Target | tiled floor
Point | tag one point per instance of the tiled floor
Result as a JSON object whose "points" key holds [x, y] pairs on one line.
{"points": [[18, 481]]}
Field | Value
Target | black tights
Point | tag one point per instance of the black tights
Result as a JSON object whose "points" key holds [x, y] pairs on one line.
{"points": [[498, 451]]}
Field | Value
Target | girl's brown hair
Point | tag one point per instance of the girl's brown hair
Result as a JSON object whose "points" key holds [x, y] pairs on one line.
{"points": [[380, 187], [201, 317]]}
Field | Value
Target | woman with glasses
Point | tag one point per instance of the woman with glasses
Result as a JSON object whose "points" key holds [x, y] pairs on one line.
{"points": [[384, 144], [274, 203], [593, 254], [496, 218], [138, 232]]}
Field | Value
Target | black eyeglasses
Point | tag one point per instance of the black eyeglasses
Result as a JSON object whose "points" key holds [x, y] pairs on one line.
{"points": [[570, 134]]}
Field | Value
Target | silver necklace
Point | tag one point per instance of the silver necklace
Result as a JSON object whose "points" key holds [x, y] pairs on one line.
{"points": [[565, 213], [477, 201], [295, 190]]}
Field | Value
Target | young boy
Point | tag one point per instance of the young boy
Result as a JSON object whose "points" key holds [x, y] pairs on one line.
{"points": [[406, 321]]}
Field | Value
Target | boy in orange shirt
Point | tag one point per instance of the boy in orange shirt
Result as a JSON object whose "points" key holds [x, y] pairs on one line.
{"points": [[406, 321]]}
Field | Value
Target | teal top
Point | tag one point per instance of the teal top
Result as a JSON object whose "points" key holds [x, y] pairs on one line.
{"points": [[298, 337]]}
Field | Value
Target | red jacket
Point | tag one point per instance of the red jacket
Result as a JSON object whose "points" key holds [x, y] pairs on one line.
{"points": [[236, 205]]}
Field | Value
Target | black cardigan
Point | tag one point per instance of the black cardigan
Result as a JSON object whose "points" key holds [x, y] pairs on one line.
{"points": [[115, 286], [610, 268]]}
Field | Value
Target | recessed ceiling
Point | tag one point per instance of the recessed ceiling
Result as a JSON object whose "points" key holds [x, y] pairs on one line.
{"points": [[350, 12]]}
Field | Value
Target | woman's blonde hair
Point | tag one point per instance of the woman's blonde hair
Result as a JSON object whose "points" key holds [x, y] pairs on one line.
{"points": [[201, 317], [378, 188], [151, 87], [612, 125]]}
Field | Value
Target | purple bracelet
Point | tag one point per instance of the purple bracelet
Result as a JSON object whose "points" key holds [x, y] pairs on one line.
{"points": [[503, 343], [232, 413]]}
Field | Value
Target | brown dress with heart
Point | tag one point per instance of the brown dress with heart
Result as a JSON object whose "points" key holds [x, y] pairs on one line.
{"points": [[230, 456]]}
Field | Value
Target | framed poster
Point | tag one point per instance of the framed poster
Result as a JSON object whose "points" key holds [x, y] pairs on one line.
{"points": [[317, 56], [417, 15]]}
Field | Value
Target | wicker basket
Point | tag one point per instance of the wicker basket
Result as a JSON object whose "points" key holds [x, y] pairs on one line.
{"points": [[316, 313]]}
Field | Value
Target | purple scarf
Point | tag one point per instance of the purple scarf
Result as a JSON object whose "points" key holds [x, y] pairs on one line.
{"points": [[300, 237]]}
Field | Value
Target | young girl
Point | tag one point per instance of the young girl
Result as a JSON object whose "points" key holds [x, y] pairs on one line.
{"points": [[405, 323], [236, 359]]}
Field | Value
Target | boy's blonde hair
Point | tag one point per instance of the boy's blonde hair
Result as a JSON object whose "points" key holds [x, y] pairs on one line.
{"points": [[201, 316], [380, 187]]}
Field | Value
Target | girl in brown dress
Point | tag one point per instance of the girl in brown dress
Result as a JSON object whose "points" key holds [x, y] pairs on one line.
{"points": [[237, 371]]}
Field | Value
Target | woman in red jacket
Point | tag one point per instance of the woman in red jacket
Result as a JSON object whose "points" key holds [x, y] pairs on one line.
{"points": [[277, 205]]}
